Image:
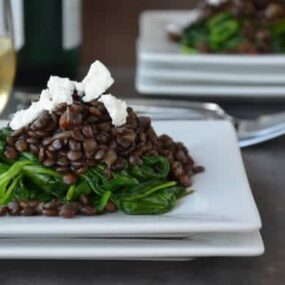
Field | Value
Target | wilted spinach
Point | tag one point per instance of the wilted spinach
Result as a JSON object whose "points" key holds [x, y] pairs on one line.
{"points": [[136, 190]]}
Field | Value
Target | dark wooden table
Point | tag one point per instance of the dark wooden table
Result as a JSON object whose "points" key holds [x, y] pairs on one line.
{"points": [[265, 166]]}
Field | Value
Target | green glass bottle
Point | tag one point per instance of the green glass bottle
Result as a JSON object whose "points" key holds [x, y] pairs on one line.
{"points": [[52, 37]]}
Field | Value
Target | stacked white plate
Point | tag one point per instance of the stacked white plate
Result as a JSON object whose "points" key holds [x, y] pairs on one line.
{"points": [[219, 219], [162, 69]]}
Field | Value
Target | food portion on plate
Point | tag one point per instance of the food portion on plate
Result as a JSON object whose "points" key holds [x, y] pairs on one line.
{"points": [[235, 27], [78, 150]]}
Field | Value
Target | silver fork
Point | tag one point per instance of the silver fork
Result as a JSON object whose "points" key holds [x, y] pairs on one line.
{"points": [[249, 132]]}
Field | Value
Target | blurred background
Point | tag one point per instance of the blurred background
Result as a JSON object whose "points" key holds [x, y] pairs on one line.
{"points": [[110, 28], [105, 30], [63, 37]]}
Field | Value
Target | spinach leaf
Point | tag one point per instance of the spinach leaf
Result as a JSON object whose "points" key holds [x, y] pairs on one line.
{"points": [[278, 36], [75, 190], [144, 189], [181, 191], [222, 28], [154, 204], [3, 167], [46, 179], [120, 182], [29, 156], [154, 167], [7, 190], [5, 132], [193, 36], [104, 200]]}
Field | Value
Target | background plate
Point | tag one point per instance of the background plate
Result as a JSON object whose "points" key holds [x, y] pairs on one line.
{"points": [[177, 74], [150, 86], [162, 69]]}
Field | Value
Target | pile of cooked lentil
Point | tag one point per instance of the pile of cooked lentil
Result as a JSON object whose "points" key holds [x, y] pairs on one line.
{"points": [[75, 137]]}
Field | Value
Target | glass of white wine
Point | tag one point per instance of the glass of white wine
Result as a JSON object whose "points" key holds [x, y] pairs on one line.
{"points": [[7, 53]]}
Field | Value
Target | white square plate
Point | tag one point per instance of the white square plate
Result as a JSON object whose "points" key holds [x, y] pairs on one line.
{"points": [[199, 245], [207, 75], [148, 85], [222, 201], [155, 46]]}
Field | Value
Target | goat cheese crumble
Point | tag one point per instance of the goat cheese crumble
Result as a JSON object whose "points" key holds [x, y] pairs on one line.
{"points": [[116, 108], [24, 117], [60, 90], [96, 82]]}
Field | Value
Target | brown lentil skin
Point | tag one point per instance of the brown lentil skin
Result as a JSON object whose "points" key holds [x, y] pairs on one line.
{"points": [[3, 210], [69, 178], [53, 208]]}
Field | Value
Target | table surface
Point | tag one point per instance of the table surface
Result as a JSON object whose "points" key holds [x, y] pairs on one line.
{"points": [[264, 163]]}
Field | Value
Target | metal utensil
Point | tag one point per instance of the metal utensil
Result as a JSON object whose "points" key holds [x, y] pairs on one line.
{"points": [[249, 132]]}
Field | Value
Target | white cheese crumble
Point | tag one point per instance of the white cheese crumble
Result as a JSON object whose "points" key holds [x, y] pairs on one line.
{"points": [[60, 90], [24, 117], [45, 102], [96, 82], [79, 87], [116, 108]]}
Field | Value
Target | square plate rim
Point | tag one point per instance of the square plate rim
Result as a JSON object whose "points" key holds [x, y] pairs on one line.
{"points": [[199, 245]]}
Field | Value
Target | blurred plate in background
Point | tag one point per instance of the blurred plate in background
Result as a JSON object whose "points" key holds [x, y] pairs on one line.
{"points": [[163, 69]]}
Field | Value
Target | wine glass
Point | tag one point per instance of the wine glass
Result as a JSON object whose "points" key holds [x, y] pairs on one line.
{"points": [[7, 53]]}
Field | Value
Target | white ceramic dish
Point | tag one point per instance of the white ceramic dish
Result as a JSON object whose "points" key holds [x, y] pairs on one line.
{"points": [[178, 74], [199, 245], [155, 45], [222, 202], [152, 86]]}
